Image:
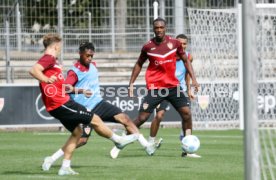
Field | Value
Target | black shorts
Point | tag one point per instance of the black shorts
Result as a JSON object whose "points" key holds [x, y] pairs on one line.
{"points": [[106, 111], [163, 106], [71, 114], [175, 96]]}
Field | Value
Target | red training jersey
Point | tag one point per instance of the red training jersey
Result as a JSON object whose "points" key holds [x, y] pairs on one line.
{"points": [[53, 95], [162, 59]]}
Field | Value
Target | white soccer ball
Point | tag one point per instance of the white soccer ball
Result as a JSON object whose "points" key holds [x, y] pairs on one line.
{"points": [[190, 144]]}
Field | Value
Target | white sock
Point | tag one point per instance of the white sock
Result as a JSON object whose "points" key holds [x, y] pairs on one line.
{"points": [[143, 141], [57, 155], [115, 138], [66, 163], [151, 139]]}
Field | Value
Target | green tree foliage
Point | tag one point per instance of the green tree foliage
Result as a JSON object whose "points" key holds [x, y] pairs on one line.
{"points": [[75, 12]]}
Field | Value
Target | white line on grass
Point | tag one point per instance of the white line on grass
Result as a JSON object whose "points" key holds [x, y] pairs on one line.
{"points": [[51, 133], [211, 136]]}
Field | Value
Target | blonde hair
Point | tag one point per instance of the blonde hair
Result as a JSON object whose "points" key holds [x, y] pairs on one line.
{"points": [[49, 39]]}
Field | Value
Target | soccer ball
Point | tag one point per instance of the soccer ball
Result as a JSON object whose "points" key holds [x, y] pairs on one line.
{"points": [[190, 144]]}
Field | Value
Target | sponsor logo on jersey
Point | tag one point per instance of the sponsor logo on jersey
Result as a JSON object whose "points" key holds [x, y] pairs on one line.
{"points": [[162, 62]]}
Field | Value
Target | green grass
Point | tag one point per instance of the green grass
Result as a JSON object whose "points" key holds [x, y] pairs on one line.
{"points": [[222, 157]]}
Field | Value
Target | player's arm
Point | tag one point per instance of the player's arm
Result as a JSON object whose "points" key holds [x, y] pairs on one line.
{"points": [[188, 80], [190, 70], [189, 91], [70, 83], [37, 72], [136, 71]]}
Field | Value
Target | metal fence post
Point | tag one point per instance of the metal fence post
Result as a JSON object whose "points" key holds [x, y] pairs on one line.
{"points": [[8, 58], [162, 9], [147, 20], [60, 27], [89, 27], [112, 25], [18, 27], [179, 17]]}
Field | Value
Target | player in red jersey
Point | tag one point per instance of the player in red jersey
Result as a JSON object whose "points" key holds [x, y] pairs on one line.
{"points": [[49, 74], [184, 80], [161, 82]]}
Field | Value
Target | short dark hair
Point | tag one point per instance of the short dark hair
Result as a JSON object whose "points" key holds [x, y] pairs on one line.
{"points": [[49, 39], [86, 45], [182, 36], [159, 19]]}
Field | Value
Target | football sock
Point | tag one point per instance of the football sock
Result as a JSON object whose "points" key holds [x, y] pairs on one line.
{"points": [[151, 139], [66, 163], [143, 141], [57, 155], [115, 138]]}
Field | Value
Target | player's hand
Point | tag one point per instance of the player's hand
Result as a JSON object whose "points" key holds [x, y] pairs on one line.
{"points": [[69, 88], [191, 96], [195, 85], [51, 79], [87, 93], [130, 90]]}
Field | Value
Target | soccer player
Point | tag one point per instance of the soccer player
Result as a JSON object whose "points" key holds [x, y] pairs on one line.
{"points": [[161, 81], [82, 84], [184, 81], [49, 74]]}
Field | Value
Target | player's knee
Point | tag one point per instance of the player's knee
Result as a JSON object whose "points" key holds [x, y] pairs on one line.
{"points": [[143, 119], [185, 110], [123, 118], [77, 132], [160, 116], [96, 121]]}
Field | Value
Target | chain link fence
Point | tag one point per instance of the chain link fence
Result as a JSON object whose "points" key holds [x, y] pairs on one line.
{"points": [[114, 26]]}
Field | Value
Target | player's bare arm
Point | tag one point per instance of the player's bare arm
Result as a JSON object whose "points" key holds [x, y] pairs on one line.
{"points": [[37, 72], [190, 70], [71, 89], [135, 72], [188, 80]]}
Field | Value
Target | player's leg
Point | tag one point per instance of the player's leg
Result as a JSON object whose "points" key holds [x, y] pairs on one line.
{"points": [[154, 127], [181, 103], [71, 115], [111, 113], [147, 106], [68, 149], [48, 161], [86, 132], [102, 130], [160, 113], [186, 117], [155, 124], [149, 103]]}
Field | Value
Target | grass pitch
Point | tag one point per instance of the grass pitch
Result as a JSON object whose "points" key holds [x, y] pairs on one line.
{"points": [[22, 154]]}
